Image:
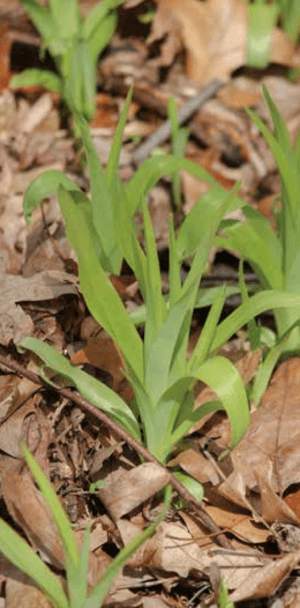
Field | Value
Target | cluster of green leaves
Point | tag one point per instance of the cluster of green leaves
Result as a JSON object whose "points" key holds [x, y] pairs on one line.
{"points": [[102, 232], [24, 557], [75, 45], [262, 18], [274, 256]]}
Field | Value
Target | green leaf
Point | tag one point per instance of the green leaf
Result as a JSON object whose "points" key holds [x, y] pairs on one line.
{"points": [[208, 332], [102, 203], [35, 76], [99, 592], [101, 36], [156, 306], [91, 389], [194, 487], [25, 559], [221, 375], [66, 17], [42, 187], [261, 22], [42, 19], [260, 302], [255, 240], [115, 151], [100, 296], [57, 511]]}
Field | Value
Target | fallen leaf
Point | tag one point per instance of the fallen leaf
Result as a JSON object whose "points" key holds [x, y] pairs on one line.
{"points": [[272, 442], [214, 35], [15, 324], [264, 582], [29, 510], [125, 490]]}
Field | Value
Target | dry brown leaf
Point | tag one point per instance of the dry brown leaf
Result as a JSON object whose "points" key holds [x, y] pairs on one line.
{"points": [[21, 592], [126, 490], [214, 35], [264, 582], [196, 465], [15, 324], [273, 507], [28, 508], [272, 442]]}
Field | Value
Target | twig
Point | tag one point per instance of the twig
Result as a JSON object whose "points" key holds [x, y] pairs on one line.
{"points": [[120, 432], [164, 132]]}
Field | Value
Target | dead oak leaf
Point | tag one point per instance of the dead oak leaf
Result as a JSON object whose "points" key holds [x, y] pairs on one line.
{"points": [[214, 35]]}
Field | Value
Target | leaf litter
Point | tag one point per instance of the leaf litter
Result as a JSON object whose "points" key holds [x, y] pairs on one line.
{"points": [[249, 493]]}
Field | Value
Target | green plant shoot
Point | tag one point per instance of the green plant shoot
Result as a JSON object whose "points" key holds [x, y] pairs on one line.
{"points": [[75, 45], [24, 557]]}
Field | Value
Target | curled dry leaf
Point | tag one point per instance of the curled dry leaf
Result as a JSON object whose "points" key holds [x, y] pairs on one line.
{"points": [[214, 35]]}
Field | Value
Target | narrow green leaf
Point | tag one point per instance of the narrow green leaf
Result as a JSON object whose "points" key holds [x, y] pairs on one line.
{"points": [[156, 306], [208, 332], [99, 592], [25, 559], [58, 513], [35, 76], [260, 302], [89, 387], [115, 151], [174, 267], [101, 202]]}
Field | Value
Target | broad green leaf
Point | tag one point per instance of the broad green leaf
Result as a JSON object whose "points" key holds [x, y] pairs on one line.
{"points": [[222, 376], [255, 240], [261, 22], [35, 76], [98, 14], [205, 216], [42, 19], [57, 511], [101, 36], [19, 553], [99, 592], [66, 17], [89, 387], [42, 187], [194, 487], [260, 302]]}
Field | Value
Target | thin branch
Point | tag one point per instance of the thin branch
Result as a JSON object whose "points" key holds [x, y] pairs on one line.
{"points": [[120, 432]]}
